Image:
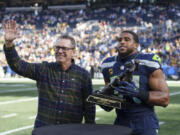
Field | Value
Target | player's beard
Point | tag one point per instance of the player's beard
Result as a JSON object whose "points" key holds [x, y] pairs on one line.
{"points": [[126, 53]]}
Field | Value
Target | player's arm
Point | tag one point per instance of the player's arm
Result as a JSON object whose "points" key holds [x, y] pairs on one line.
{"points": [[159, 93], [106, 81]]}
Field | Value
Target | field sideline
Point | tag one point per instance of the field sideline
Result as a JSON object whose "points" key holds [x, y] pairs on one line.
{"points": [[18, 103]]}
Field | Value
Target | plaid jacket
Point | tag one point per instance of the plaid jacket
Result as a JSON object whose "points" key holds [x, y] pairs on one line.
{"points": [[61, 94]]}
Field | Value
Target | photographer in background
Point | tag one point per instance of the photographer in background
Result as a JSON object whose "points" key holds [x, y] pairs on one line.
{"points": [[147, 89], [62, 86]]}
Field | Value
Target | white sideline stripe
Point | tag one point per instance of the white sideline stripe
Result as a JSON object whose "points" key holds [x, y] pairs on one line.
{"points": [[98, 110], [173, 82], [13, 85], [161, 122], [18, 90], [16, 130], [18, 101], [32, 117], [9, 115], [174, 93], [97, 118]]}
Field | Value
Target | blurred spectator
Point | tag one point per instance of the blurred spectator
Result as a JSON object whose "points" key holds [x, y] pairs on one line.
{"points": [[95, 32]]}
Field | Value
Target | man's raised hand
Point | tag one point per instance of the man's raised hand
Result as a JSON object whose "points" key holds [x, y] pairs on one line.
{"points": [[11, 32]]}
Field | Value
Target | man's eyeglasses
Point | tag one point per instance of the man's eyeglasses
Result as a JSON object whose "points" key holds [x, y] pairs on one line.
{"points": [[57, 48]]}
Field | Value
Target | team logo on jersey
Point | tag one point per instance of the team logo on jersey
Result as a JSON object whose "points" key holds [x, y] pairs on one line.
{"points": [[156, 58], [110, 71]]}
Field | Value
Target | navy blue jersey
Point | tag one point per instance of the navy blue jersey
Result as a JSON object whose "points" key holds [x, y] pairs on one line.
{"points": [[113, 66]]}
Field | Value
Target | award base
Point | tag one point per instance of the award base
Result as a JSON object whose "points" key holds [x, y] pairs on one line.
{"points": [[106, 100]]}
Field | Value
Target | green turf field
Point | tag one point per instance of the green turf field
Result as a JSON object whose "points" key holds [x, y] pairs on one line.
{"points": [[18, 106]]}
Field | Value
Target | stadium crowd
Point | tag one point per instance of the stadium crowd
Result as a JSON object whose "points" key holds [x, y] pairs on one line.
{"points": [[95, 31]]}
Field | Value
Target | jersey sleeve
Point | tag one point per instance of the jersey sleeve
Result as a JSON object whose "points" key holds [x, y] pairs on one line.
{"points": [[104, 70], [151, 62]]}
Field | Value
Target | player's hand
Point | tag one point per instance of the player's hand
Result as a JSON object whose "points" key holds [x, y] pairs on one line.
{"points": [[11, 32], [129, 89]]}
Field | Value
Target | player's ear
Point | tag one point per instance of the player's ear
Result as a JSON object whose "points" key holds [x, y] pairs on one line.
{"points": [[136, 46]]}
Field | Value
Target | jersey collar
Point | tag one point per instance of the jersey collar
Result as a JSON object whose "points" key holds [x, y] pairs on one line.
{"points": [[133, 56]]}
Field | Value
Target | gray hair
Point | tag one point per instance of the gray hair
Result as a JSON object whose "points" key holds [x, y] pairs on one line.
{"points": [[73, 42]]}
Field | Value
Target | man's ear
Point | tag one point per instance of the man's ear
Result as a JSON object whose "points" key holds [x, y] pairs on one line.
{"points": [[137, 46], [74, 53]]}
